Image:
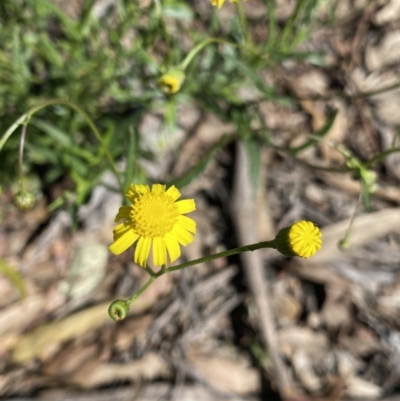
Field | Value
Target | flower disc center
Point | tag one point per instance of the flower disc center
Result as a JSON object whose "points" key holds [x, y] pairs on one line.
{"points": [[154, 215]]}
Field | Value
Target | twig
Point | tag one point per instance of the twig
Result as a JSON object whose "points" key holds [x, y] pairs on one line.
{"points": [[243, 215]]}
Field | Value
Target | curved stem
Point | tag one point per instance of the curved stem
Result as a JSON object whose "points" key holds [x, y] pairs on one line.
{"points": [[192, 54], [25, 118], [21, 157], [381, 156], [141, 290]]}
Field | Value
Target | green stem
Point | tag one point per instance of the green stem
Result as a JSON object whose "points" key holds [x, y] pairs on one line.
{"points": [[21, 158], [287, 30], [151, 272], [193, 53], [25, 118], [381, 156], [141, 290], [230, 252], [159, 14], [271, 24], [163, 270], [243, 21]]}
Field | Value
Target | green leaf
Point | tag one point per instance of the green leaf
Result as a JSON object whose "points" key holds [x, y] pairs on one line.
{"points": [[196, 170], [320, 134]]}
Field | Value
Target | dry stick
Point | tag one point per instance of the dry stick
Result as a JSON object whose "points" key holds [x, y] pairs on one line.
{"points": [[244, 218]]}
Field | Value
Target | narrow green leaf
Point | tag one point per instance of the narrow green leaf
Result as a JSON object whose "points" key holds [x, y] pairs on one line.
{"points": [[196, 170], [321, 133]]}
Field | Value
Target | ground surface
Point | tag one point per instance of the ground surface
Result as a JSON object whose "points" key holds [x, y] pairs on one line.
{"points": [[202, 334]]}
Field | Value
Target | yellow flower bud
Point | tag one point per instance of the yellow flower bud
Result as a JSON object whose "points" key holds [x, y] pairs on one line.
{"points": [[24, 200], [300, 239], [172, 80]]}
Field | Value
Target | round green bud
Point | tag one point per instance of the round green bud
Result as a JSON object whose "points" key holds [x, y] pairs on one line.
{"points": [[24, 200], [118, 310]]}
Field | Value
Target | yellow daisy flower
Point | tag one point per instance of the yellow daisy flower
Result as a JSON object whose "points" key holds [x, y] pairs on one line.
{"points": [[300, 239], [156, 221]]}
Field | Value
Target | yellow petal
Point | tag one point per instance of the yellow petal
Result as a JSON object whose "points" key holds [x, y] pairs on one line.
{"points": [[159, 251], [142, 251], [186, 206], [121, 229], [173, 192], [157, 188], [217, 3], [123, 213], [123, 242], [184, 237], [174, 251], [187, 223], [134, 191]]}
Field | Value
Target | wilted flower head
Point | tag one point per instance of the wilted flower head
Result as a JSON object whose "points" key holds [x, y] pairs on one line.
{"points": [[300, 239], [156, 220]]}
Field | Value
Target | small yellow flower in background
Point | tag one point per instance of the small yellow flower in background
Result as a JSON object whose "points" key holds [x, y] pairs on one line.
{"points": [[172, 80], [156, 220], [219, 3], [300, 239]]}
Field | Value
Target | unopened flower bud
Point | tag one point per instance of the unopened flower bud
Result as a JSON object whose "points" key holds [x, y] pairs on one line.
{"points": [[172, 80], [300, 239], [24, 200]]}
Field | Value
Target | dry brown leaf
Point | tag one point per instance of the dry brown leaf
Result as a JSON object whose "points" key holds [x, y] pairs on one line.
{"points": [[386, 53], [45, 340], [360, 346], [231, 375], [294, 338], [141, 392], [348, 184], [150, 367], [388, 13], [304, 370], [130, 329], [14, 318], [359, 388], [385, 103], [71, 359]]}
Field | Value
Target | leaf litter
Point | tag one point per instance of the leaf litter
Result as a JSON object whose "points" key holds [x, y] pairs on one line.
{"points": [[195, 334]]}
